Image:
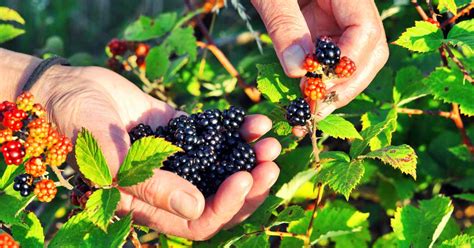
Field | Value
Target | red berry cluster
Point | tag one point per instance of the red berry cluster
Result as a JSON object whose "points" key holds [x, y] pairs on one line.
{"points": [[6, 241], [322, 65], [123, 52], [26, 133]]}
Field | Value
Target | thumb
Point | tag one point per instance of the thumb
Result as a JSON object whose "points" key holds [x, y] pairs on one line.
{"points": [[289, 32]]}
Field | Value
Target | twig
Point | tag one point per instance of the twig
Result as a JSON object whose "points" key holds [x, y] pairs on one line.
{"points": [[315, 213], [453, 19], [251, 91], [61, 179], [463, 69], [134, 238], [420, 11], [456, 117], [424, 112], [285, 234], [432, 12]]}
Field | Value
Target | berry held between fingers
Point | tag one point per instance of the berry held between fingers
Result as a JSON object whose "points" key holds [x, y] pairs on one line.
{"points": [[45, 190], [345, 68], [6, 241], [314, 88], [298, 112], [139, 132], [213, 147], [327, 52]]}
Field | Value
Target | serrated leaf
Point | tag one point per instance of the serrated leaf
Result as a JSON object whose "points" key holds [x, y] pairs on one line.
{"points": [[157, 62], [144, 156], [380, 89], [373, 131], [8, 32], [116, 235], [275, 85], [91, 160], [182, 41], [423, 37], [7, 14], [292, 163], [13, 214], [408, 86], [288, 190], [385, 137], [341, 176], [253, 241], [30, 235], [146, 28], [449, 5], [460, 241], [466, 196], [263, 213], [292, 213], [462, 34], [282, 128], [337, 127], [9, 173], [421, 227], [462, 153], [449, 86], [401, 157], [101, 206]]}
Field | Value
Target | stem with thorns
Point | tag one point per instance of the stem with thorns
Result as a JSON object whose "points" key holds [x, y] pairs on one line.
{"points": [[61, 179]]}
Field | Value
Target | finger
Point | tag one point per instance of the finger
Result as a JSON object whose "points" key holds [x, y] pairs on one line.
{"points": [[170, 192], [255, 126], [267, 149], [289, 32], [348, 90], [264, 176]]}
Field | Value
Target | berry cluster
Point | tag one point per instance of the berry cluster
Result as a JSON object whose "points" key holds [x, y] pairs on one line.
{"points": [[213, 147], [123, 53], [325, 63], [27, 137], [6, 241], [298, 112]]}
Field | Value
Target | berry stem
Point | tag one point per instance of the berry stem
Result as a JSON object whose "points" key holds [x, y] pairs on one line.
{"points": [[420, 10], [61, 179], [453, 19]]}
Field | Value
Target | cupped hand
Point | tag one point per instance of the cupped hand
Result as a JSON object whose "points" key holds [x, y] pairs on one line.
{"points": [[108, 105], [355, 26]]}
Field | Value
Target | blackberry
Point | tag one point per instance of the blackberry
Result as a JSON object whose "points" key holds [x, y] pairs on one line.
{"points": [[24, 184], [310, 74], [213, 147], [140, 131], [298, 112], [327, 52], [233, 118]]}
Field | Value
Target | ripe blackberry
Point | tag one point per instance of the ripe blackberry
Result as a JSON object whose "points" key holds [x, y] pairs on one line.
{"points": [[298, 112], [24, 184], [243, 157], [140, 131], [327, 52], [233, 118], [45, 190], [13, 152]]}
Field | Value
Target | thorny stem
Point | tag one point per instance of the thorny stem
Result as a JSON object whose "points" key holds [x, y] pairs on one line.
{"points": [[61, 179], [458, 62], [453, 19]]}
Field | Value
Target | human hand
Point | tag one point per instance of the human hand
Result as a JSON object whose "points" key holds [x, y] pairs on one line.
{"points": [[108, 105], [354, 25]]}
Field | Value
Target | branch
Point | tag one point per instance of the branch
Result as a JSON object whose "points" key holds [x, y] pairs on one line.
{"points": [[61, 179], [251, 91], [420, 11], [424, 112], [453, 19], [456, 117], [315, 213], [458, 62]]}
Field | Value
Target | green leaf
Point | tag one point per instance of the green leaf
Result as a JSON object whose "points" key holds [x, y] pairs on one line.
{"points": [[380, 89], [423, 37], [449, 86], [101, 206], [144, 156], [30, 235], [292, 213], [8, 32], [373, 131], [292, 163], [10, 172], [388, 240], [263, 213], [462, 153], [341, 176], [275, 85], [288, 190], [157, 62], [7, 14], [421, 227], [182, 41], [13, 214], [462, 34], [282, 128], [408, 86], [146, 28], [466, 196], [116, 235], [91, 160], [385, 137], [253, 241], [401, 157], [337, 127], [449, 5], [462, 240]]}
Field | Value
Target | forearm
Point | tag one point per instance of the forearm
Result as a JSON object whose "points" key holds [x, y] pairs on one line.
{"points": [[15, 69]]}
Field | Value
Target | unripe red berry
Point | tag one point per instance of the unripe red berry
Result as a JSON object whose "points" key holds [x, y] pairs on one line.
{"points": [[35, 167], [117, 47], [6, 241], [345, 68], [45, 190]]}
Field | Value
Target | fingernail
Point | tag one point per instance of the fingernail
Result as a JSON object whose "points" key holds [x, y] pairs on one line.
{"points": [[184, 204], [293, 58]]}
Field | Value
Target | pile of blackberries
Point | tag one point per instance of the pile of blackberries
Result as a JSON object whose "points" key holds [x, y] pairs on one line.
{"points": [[213, 147]]}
